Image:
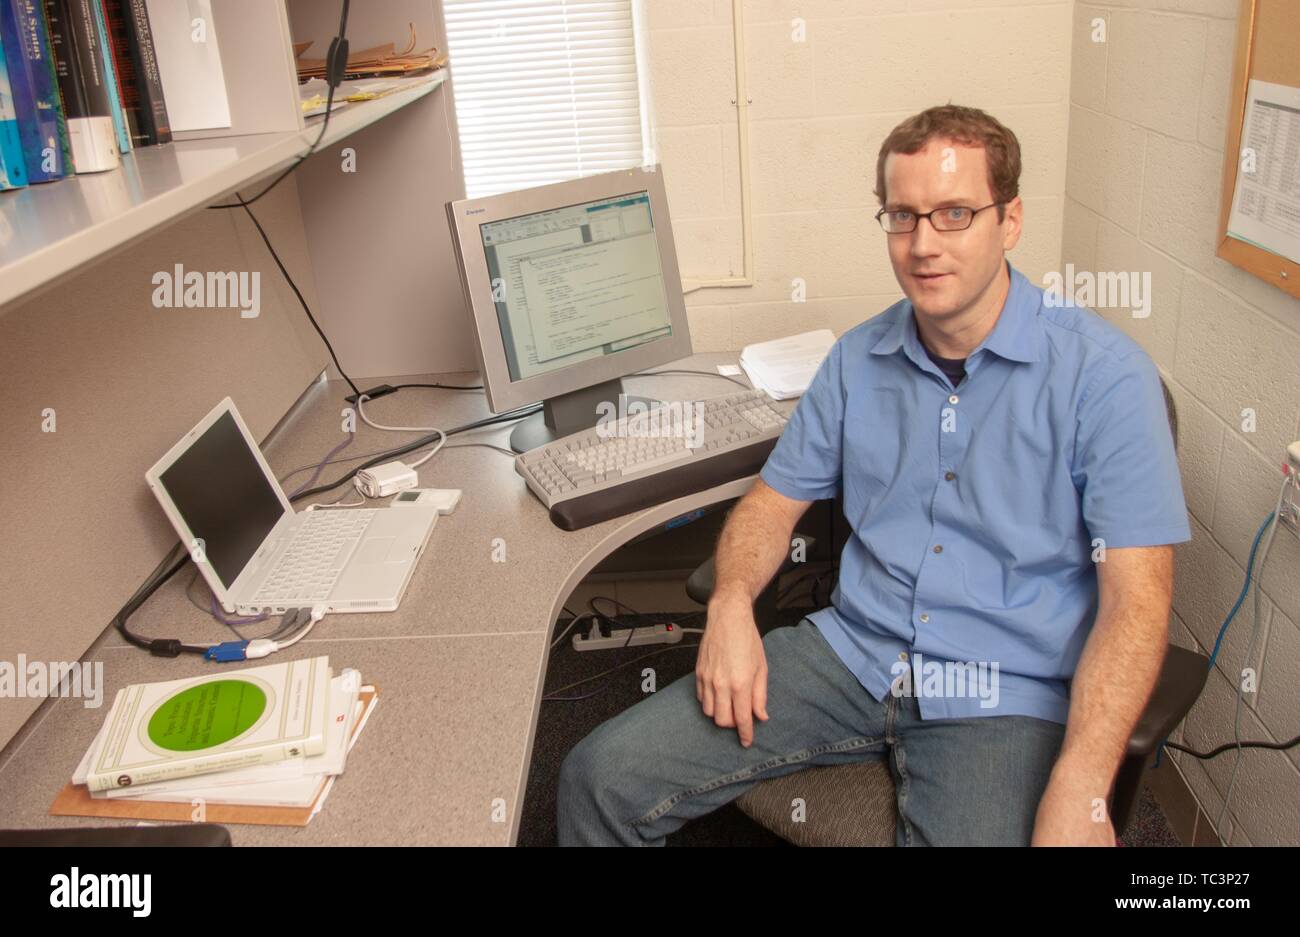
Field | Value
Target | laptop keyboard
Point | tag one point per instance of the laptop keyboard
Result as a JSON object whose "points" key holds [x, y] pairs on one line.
{"points": [[308, 569]]}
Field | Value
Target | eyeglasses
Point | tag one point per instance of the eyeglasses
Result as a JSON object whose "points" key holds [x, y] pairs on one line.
{"points": [[952, 218]]}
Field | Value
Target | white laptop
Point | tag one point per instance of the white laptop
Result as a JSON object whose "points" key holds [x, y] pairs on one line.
{"points": [[256, 553]]}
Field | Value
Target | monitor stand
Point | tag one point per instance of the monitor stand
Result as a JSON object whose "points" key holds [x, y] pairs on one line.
{"points": [[571, 413]]}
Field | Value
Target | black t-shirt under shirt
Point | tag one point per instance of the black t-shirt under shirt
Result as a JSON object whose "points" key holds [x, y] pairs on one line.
{"points": [[953, 368]]}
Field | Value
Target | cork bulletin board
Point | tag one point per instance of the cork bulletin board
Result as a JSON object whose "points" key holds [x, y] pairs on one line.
{"points": [[1259, 211]]}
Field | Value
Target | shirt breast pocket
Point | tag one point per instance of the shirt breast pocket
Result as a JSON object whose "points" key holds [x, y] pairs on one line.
{"points": [[875, 446]]}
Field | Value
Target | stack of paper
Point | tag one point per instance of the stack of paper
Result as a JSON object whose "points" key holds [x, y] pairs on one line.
{"points": [[785, 367], [377, 61], [175, 731]]}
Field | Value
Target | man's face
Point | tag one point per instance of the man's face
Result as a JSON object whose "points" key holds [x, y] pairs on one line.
{"points": [[944, 272]]}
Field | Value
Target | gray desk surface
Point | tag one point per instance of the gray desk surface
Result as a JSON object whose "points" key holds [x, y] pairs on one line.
{"points": [[460, 665]]}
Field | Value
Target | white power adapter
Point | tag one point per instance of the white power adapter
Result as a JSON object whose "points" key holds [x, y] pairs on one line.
{"points": [[384, 480]]}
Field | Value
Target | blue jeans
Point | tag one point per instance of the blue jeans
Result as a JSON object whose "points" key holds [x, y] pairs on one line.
{"points": [[641, 775]]}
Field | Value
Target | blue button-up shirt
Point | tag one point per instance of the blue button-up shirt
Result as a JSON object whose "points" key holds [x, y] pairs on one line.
{"points": [[977, 513]]}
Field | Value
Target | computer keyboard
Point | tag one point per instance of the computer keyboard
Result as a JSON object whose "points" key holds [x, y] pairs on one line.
{"points": [[643, 460], [314, 560]]}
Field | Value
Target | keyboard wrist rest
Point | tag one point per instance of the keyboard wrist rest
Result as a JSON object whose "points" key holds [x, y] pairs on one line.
{"points": [[667, 485]]}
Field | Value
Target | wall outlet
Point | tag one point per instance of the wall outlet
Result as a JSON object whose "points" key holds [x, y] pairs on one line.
{"points": [[1289, 514]]}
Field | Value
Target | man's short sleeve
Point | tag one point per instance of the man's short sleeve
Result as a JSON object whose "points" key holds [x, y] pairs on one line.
{"points": [[805, 464], [1125, 460]]}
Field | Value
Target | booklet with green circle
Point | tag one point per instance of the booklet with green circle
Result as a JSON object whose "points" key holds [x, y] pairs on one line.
{"points": [[228, 720]]}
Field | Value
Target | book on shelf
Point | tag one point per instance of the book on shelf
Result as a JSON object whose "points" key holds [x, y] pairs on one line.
{"points": [[83, 88], [111, 79], [131, 39], [35, 95], [189, 61], [202, 725], [13, 169]]}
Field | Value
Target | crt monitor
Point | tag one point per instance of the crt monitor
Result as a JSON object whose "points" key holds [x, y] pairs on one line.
{"points": [[572, 286]]}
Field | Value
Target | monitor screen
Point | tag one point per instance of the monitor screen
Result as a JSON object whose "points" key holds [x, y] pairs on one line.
{"points": [[223, 496], [576, 282]]}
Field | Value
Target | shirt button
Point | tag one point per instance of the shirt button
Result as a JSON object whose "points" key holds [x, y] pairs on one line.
{"points": [[938, 548], [948, 476], [902, 655], [953, 399], [925, 616]]}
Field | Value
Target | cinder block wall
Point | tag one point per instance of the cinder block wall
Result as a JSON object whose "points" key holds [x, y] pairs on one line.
{"points": [[1123, 144], [828, 80], [1148, 109]]}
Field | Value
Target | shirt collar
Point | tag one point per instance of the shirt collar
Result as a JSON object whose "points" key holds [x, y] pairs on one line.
{"points": [[1016, 336]]}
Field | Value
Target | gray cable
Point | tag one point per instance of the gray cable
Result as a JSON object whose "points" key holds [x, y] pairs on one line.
{"points": [[725, 377], [371, 455], [510, 452]]}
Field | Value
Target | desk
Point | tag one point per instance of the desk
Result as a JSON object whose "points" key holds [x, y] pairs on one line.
{"points": [[460, 666]]}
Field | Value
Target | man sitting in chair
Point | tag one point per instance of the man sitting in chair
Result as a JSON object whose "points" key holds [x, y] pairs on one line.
{"points": [[1009, 479]]}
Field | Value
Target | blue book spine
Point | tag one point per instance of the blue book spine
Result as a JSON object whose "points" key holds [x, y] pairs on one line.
{"points": [[36, 97], [110, 79], [13, 169]]}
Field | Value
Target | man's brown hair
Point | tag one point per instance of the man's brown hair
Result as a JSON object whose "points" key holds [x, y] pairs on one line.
{"points": [[968, 126]]}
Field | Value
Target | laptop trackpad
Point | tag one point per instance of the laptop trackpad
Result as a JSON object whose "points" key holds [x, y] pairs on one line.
{"points": [[374, 550]]}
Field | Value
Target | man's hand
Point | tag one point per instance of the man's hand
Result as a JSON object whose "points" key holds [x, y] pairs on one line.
{"points": [[1073, 812], [731, 669]]}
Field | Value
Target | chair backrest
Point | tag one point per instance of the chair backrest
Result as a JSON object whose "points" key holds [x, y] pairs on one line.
{"points": [[1171, 410]]}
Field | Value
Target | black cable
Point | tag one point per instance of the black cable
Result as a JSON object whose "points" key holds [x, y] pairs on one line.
{"points": [[335, 67], [1233, 746], [442, 386], [296, 292], [506, 417], [159, 647], [612, 619], [486, 445], [337, 47], [683, 616], [631, 629]]}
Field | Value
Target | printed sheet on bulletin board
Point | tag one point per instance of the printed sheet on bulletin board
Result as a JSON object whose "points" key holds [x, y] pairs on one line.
{"points": [[1259, 221]]}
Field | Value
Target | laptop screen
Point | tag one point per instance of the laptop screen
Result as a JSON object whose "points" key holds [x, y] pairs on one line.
{"points": [[223, 496]]}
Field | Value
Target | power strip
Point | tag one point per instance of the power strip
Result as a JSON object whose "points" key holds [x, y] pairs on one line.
{"points": [[619, 637]]}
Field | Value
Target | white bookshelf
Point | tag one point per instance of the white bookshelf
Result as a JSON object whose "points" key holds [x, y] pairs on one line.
{"points": [[48, 231]]}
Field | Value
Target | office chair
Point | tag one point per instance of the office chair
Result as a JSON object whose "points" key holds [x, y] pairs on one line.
{"points": [[856, 805]]}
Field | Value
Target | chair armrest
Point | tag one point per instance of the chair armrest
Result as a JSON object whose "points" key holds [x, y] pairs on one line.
{"points": [[1182, 677], [699, 585]]}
